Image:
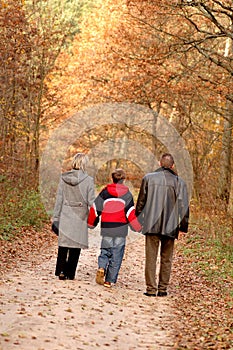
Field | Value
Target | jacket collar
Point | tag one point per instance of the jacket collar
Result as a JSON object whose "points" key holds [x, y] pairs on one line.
{"points": [[166, 169]]}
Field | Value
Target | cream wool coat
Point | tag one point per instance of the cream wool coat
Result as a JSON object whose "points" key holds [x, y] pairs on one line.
{"points": [[75, 195]]}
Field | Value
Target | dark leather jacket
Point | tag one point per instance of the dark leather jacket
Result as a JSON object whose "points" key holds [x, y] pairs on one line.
{"points": [[163, 205]]}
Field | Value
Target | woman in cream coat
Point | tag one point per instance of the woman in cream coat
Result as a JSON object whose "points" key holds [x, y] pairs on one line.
{"points": [[75, 195]]}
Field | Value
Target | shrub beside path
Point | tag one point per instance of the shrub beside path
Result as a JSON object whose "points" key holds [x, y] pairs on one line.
{"points": [[40, 312]]}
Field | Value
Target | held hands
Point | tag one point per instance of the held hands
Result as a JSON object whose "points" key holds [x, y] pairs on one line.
{"points": [[90, 226]]}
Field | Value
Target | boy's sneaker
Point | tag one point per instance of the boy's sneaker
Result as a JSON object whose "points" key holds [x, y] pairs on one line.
{"points": [[107, 284], [100, 276]]}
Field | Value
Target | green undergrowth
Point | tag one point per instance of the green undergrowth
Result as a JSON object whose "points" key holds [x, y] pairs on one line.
{"points": [[210, 247], [20, 208]]}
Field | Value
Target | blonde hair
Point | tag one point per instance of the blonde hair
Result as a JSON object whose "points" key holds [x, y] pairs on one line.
{"points": [[80, 161]]}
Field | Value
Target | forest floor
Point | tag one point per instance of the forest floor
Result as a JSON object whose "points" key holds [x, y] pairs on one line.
{"points": [[40, 312]]}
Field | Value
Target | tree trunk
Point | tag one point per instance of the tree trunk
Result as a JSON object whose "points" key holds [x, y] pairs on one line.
{"points": [[225, 169]]}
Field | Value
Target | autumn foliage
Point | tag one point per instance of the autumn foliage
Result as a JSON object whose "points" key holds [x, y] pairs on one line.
{"points": [[167, 56], [173, 57]]}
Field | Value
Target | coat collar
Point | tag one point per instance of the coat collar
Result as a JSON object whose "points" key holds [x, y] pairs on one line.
{"points": [[166, 169]]}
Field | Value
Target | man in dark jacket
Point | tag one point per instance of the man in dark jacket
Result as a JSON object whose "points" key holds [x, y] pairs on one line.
{"points": [[163, 209], [115, 205]]}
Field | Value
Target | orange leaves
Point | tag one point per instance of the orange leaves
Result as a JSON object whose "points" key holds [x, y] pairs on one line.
{"points": [[203, 295]]}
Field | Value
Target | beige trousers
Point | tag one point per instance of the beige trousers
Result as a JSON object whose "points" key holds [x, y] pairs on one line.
{"points": [[166, 245]]}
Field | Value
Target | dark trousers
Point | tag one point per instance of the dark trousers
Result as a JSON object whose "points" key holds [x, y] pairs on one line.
{"points": [[166, 245], [67, 261]]}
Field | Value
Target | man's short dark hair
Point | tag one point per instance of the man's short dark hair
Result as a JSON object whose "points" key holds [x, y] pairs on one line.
{"points": [[167, 160], [118, 175]]}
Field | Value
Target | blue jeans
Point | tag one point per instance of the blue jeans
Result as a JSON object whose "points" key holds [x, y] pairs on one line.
{"points": [[111, 255]]}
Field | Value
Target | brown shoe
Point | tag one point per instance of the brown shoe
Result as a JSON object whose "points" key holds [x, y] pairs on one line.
{"points": [[100, 276], [149, 294]]}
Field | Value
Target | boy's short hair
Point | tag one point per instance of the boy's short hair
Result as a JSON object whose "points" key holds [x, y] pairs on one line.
{"points": [[118, 175]]}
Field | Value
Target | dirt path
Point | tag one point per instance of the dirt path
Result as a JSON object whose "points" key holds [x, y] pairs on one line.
{"points": [[40, 312]]}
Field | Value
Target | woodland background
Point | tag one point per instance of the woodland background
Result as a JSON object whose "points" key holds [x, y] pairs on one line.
{"points": [[174, 57], [58, 57]]}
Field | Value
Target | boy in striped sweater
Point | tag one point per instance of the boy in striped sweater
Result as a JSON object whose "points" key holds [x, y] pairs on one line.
{"points": [[115, 205]]}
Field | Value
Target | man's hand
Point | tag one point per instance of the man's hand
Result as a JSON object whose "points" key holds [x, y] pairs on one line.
{"points": [[181, 234]]}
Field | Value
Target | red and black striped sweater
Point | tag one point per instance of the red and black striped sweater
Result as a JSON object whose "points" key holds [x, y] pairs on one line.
{"points": [[115, 205]]}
